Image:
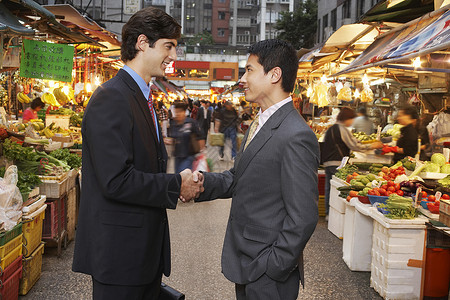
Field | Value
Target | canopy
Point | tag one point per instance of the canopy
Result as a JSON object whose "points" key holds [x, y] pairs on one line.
{"points": [[401, 11], [417, 38], [10, 24]]}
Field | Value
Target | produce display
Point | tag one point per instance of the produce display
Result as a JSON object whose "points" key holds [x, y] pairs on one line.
{"points": [[395, 131], [345, 171], [398, 207], [30, 161], [409, 163], [73, 160], [75, 118], [445, 182]]}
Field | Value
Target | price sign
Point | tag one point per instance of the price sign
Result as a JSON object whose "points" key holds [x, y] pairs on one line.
{"points": [[343, 162], [44, 60]]}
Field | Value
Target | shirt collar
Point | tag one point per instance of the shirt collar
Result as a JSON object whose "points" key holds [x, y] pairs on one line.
{"points": [[264, 116], [145, 88]]}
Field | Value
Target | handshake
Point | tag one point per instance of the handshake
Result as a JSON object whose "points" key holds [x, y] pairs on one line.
{"points": [[191, 185]]}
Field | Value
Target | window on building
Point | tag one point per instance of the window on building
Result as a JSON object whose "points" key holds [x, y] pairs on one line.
{"points": [[346, 9], [221, 15], [221, 32], [359, 8], [333, 20], [222, 1], [198, 73]]}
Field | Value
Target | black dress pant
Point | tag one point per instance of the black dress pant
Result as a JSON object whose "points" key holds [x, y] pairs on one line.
{"points": [[103, 291], [265, 288]]}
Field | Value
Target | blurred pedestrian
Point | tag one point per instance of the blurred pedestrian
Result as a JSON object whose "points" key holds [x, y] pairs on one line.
{"points": [[204, 123], [229, 121], [362, 122], [163, 116], [31, 112], [185, 132]]}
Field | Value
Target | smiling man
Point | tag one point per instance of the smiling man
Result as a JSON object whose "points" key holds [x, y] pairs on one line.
{"points": [[123, 235], [273, 183]]}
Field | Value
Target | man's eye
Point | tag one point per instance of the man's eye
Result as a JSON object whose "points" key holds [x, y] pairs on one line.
{"points": [[169, 47]]}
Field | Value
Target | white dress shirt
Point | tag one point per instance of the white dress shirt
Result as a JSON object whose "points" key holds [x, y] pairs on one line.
{"points": [[264, 116]]}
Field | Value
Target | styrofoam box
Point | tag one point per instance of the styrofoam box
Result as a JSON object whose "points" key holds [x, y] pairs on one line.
{"points": [[335, 200], [336, 222], [358, 230], [395, 242]]}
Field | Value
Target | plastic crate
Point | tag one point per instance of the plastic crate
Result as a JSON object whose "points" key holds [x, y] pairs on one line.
{"points": [[9, 235], [10, 246], [32, 267], [32, 231], [322, 210], [394, 243], [11, 269], [72, 179], [321, 184], [9, 290], [54, 189], [56, 217], [11, 257]]}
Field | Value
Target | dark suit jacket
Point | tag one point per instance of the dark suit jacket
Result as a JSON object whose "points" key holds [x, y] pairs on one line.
{"points": [[123, 234], [274, 208], [204, 124]]}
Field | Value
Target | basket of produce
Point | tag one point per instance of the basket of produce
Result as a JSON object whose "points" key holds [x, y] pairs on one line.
{"points": [[364, 199], [398, 207], [432, 207], [377, 199]]}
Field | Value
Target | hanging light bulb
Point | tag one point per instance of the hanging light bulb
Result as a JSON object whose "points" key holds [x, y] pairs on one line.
{"points": [[324, 79], [88, 87], [417, 63], [356, 94], [51, 83], [97, 80], [365, 79]]}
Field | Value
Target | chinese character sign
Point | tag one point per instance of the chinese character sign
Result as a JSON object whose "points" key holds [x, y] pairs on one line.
{"points": [[46, 61]]}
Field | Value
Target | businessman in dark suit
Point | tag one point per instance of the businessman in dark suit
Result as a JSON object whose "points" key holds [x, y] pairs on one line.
{"points": [[204, 122], [273, 183], [123, 235]]}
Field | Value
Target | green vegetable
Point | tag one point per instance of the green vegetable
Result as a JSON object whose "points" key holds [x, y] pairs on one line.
{"points": [[445, 169], [445, 182], [438, 158], [27, 181], [400, 207], [343, 172], [417, 171], [432, 167], [397, 165], [73, 160]]}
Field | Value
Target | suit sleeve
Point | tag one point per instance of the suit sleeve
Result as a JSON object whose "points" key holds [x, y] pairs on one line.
{"points": [[299, 192], [217, 186], [108, 134]]}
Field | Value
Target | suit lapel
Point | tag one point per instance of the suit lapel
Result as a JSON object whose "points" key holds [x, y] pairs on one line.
{"points": [[260, 139], [143, 104]]}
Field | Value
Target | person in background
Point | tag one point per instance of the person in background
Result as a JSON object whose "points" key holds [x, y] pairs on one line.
{"points": [[31, 112], [204, 123], [163, 116], [246, 122], [216, 116], [337, 144], [194, 110], [425, 143], [229, 120], [408, 143], [362, 122], [185, 132]]}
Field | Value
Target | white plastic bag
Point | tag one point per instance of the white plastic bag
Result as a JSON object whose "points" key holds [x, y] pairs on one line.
{"points": [[10, 199], [200, 163]]}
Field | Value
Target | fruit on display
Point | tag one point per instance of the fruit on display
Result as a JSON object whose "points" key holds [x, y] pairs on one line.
{"points": [[386, 189], [395, 131], [23, 98], [438, 158], [60, 96], [347, 170], [391, 173], [409, 163], [49, 98]]}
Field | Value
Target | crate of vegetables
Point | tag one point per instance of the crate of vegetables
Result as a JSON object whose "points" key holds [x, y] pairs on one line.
{"points": [[444, 209]]}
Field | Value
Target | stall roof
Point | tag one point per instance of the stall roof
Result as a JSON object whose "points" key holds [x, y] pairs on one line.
{"points": [[425, 35], [401, 11], [71, 17], [44, 22], [10, 24]]}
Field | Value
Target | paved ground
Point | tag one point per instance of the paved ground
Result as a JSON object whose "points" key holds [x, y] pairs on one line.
{"points": [[197, 232]]}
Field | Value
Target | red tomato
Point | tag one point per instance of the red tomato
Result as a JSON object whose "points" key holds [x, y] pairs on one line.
{"points": [[348, 198], [391, 189], [387, 178], [398, 172], [349, 178], [424, 194], [397, 186], [384, 186], [391, 183], [445, 197], [382, 192], [377, 193], [437, 203], [431, 198], [371, 192], [389, 193], [399, 192]]}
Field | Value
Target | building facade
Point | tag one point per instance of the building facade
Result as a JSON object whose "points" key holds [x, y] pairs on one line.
{"points": [[332, 14]]}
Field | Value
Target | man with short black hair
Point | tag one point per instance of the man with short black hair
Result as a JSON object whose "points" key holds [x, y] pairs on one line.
{"points": [[273, 183], [123, 234]]}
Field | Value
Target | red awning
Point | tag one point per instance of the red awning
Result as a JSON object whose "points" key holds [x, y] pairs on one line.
{"points": [[183, 64]]}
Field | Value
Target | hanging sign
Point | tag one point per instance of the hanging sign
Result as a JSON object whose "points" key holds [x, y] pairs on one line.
{"points": [[44, 60]]}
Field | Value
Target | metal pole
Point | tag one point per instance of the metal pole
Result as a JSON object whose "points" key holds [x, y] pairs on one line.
{"points": [[182, 16], [235, 16]]}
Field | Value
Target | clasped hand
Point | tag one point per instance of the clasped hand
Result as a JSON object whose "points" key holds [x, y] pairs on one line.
{"points": [[191, 185]]}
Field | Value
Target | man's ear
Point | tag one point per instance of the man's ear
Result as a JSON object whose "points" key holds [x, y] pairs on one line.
{"points": [[141, 42], [275, 75]]}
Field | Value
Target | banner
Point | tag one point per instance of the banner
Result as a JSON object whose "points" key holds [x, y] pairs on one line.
{"points": [[44, 60]]}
